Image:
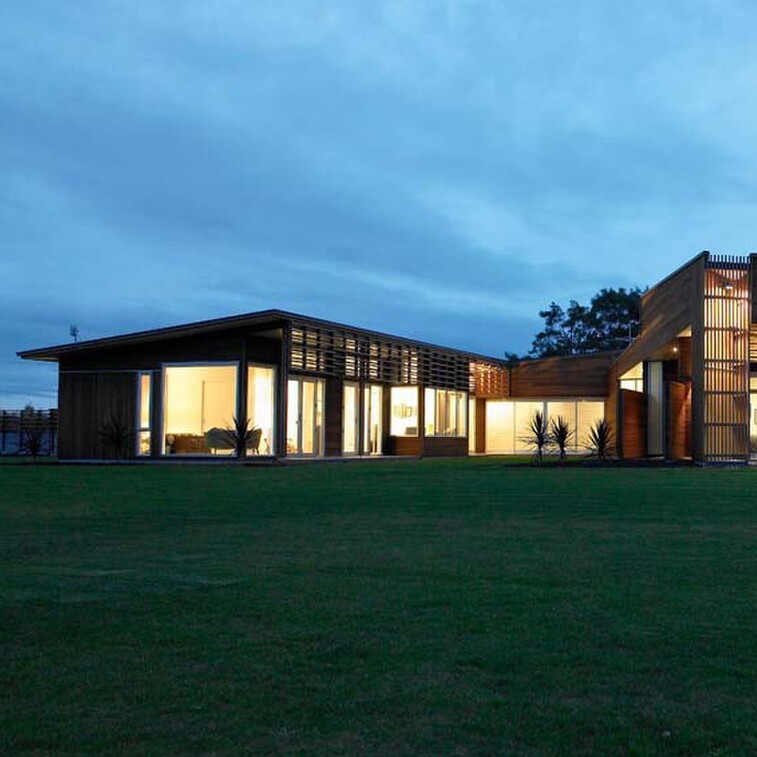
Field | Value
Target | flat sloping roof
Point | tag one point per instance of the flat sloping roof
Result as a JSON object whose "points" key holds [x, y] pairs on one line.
{"points": [[258, 318]]}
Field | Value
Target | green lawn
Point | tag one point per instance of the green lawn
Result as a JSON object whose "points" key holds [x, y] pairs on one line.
{"points": [[441, 608]]}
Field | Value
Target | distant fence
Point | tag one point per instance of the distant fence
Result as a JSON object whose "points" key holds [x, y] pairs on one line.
{"points": [[29, 432]]}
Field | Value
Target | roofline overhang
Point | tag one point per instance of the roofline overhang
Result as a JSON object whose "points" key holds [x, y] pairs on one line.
{"points": [[259, 318]]}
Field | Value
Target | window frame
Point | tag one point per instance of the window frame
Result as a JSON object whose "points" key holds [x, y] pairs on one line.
{"points": [[457, 398]]}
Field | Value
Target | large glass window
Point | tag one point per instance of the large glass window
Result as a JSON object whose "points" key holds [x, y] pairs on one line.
{"points": [[373, 400], [472, 424], [588, 414], [404, 402], [500, 426], [444, 412], [144, 407], [199, 404], [261, 408], [305, 416], [350, 418], [507, 422], [524, 414]]}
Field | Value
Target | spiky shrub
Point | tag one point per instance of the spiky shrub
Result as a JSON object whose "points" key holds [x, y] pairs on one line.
{"points": [[537, 436], [33, 430], [560, 434], [240, 434], [601, 443], [117, 436]]}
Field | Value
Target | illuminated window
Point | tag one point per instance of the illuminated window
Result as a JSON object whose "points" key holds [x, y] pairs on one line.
{"points": [[444, 412], [404, 401], [261, 383], [200, 404], [144, 400], [633, 379]]}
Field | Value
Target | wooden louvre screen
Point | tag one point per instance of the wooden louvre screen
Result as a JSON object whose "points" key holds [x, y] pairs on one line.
{"points": [[368, 357], [726, 358], [489, 381]]}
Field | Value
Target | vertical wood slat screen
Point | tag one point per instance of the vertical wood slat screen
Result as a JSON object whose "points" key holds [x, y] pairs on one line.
{"points": [[726, 358], [489, 381]]}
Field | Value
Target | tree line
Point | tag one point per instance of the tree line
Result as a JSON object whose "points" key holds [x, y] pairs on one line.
{"points": [[608, 322]]}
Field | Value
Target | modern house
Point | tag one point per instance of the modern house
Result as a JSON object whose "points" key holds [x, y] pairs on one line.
{"points": [[320, 389]]}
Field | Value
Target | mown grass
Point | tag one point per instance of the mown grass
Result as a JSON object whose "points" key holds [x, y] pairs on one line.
{"points": [[450, 607]]}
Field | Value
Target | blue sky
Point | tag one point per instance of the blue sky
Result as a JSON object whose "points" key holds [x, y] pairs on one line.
{"points": [[436, 170]]}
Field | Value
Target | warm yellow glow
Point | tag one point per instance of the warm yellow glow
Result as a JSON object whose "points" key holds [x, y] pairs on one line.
{"points": [[588, 414], [404, 404], [500, 431], [261, 407], [472, 424], [524, 413], [197, 399], [144, 400], [507, 422], [350, 418], [373, 400], [633, 379], [444, 412], [305, 416], [144, 436]]}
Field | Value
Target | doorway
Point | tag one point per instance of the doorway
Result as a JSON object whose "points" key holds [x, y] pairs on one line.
{"points": [[351, 419], [305, 416], [373, 399]]}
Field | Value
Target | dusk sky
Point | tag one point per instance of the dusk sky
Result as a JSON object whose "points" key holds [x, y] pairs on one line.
{"points": [[436, 170]]}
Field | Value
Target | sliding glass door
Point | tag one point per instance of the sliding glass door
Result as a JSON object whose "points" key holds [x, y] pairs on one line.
{"points": [[351, 419], [372, 401], [305, 416]]}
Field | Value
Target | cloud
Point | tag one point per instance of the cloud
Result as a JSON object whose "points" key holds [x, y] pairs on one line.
{"points": [[465, 162]]}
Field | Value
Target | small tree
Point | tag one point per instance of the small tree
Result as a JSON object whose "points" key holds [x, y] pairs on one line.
{"points": [[601, 440], [560, 434], [538, 435], [33, 430]]}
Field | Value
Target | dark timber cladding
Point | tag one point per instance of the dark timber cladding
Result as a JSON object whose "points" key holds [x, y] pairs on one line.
{"points": [[99, 379]]}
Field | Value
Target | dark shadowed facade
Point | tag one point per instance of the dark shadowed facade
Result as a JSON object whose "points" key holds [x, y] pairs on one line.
{"points": [[312, 388]]}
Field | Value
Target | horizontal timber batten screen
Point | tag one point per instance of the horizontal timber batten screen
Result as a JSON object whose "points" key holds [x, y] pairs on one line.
{"points": [[726, 358], [361, 357]]}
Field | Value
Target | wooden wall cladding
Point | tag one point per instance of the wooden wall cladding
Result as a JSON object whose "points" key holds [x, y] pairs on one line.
{"points": [[666, 310], [633, 425], [574, 376], [333, 419], [684, 358], [87, 402], [726, 359], [223, 346], [404, 445], [441, 446], [678, 431]]}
